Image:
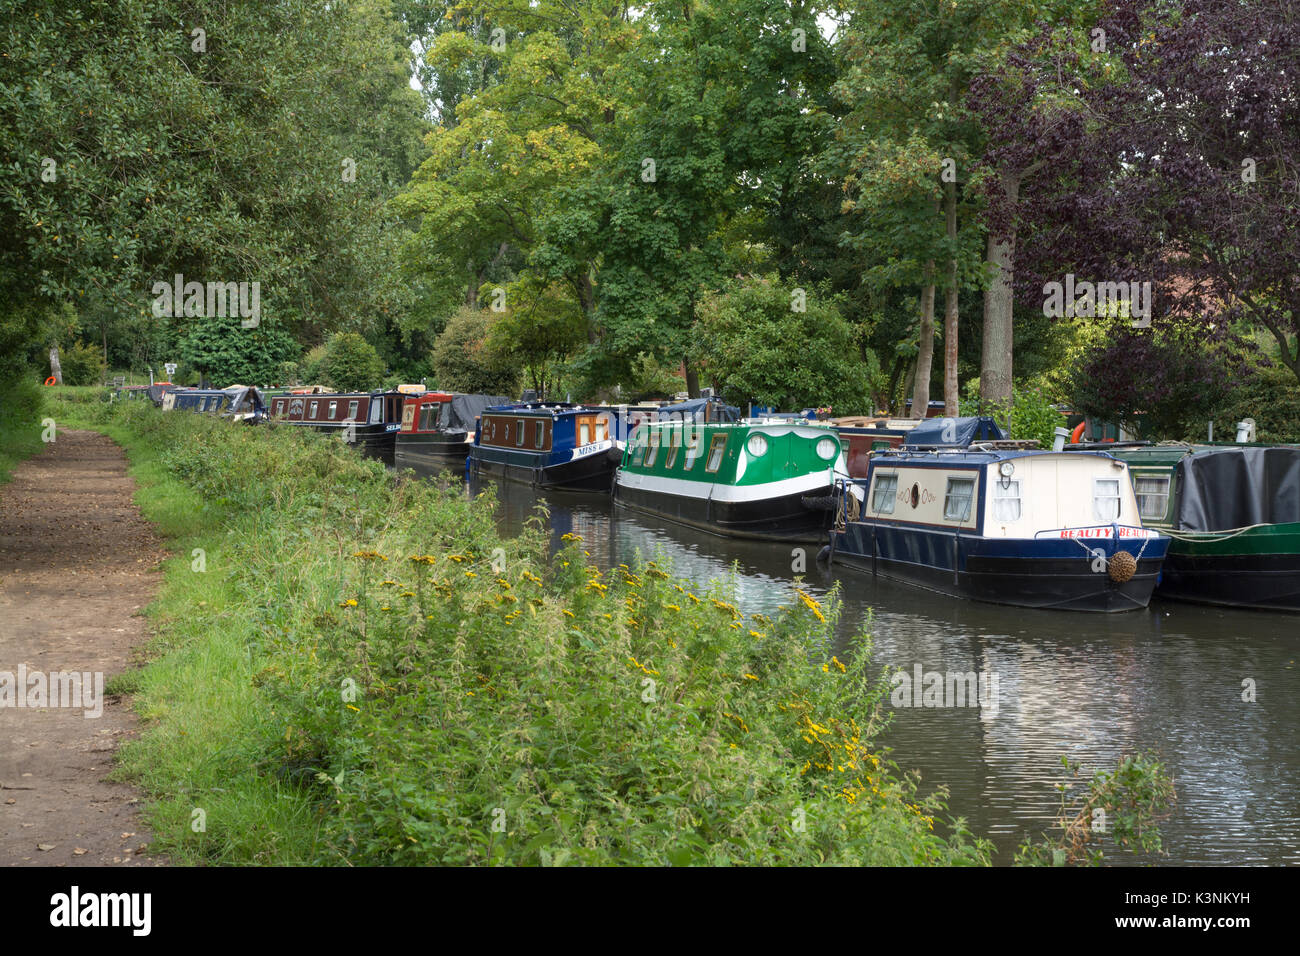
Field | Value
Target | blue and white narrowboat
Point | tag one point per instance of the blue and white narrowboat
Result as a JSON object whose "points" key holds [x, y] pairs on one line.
{"points": [[240, 403], [551, 445], [1030, 528]]}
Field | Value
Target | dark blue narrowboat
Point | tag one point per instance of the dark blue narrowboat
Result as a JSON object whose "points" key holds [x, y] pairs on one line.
{"points": [[553, 445], [1029, 528], [240, 403], [369, 420]]}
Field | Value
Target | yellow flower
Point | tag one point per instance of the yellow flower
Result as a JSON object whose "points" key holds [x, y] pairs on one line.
{"points": [[350, 602], [750, 677], [470, 574], [569, 613]]}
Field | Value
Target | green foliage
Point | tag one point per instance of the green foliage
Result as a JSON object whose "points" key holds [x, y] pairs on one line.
{"points": [[541, 328], [1032, 416], [228, 354], [757, 346], [1268, 395], [464, 359], [21, 411], [351, 364], [1125, 804], [313, 366], [82, 364]]}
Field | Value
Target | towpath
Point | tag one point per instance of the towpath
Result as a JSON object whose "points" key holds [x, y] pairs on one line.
{"points": [[78, 562]]}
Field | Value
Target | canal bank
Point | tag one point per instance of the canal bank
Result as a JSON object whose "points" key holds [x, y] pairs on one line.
{"points": [[1213, 691]]}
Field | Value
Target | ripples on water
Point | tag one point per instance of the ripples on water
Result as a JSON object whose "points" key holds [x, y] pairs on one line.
{"points": [[1090, 686]]}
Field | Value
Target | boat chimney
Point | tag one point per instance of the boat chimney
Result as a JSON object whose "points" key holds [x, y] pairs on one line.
{"points": [[1245, 431], [1211, 438], [1061, 435]]}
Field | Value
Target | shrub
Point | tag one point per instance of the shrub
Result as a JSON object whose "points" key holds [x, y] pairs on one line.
{"points": [[1030, 416], [464, 360], [351, 364], [82, 364]]}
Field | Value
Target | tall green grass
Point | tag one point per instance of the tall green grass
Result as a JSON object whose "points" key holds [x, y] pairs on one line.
{"points": [[21, 413]]}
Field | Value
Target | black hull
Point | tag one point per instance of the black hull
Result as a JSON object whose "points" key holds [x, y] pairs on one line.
{"points": [[373, 441], [593, 473], [782, 518], [427, 457], [1266, 582], [1041, 581]]}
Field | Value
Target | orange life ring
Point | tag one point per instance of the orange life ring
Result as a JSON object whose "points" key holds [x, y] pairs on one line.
{"points": [[51, 380], [1076, 436]]}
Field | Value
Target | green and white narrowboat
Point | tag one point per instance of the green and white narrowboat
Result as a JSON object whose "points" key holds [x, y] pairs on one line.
{"points": [[754, 479], [1233, 512]]}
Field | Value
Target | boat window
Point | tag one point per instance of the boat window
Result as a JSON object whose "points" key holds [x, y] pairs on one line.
{"points": [[519, 433], [376, 409], [1152, 495], [334, 410], [539, 439], [673, 439], [295, 407], [652, 449], [1006, 500], [957, 499], [716, 447], [692, 451], [311, 411], [638, 448], [1105, 499], [584, 434], [882, 496]]}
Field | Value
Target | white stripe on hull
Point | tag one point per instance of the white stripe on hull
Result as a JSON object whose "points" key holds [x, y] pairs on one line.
{"points": [[730, 493]]}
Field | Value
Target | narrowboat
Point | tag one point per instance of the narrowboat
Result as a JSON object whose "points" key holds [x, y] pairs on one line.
{"points": [[761, 478], [241, 403], [548, 445], [1233, 512], [369, 420], [1029, 528], [861, 435], [438, 430]]}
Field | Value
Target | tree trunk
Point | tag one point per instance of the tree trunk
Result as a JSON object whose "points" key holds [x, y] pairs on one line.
{"points": [[692, 378], [950, 387], [996, 366], [925, 353], [55, 368], [901, 411]]}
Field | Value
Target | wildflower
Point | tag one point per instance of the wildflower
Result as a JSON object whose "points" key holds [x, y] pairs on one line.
{"points": [[672, 607], [643, 668], [422, 559], [836, 662], [470, 574], [750, 677], [357, 709], [755, 635], [350, 602], [812, 605], [568, 613], [369, 555]]}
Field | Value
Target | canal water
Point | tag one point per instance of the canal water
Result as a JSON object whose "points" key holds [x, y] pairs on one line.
{"points": [[1169, 679]]}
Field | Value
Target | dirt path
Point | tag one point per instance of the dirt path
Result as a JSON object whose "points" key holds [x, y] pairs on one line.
{"points": [[77, 563]]}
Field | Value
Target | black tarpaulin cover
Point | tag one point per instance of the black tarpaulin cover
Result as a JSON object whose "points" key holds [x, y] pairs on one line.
{"points": [[463, 410], [1221, 489], [955, 432]]}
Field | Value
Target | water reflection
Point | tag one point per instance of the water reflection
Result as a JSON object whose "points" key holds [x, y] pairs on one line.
{"points": [[1090, 686]]}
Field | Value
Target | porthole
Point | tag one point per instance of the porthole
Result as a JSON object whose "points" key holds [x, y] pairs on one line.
{"points": [[827, 448], [757, 445], [916, 495]]}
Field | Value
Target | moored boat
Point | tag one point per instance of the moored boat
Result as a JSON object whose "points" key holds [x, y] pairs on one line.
{"points": [[769, 479], [1029, 528], [238, 402], [548, 445], [369, 420], [437, 430], [1233, 512]]}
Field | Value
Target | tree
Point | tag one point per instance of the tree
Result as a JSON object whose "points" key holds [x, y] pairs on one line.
{"points": [[541, 328], [351, 364], [464, 361], [748, 337]]}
